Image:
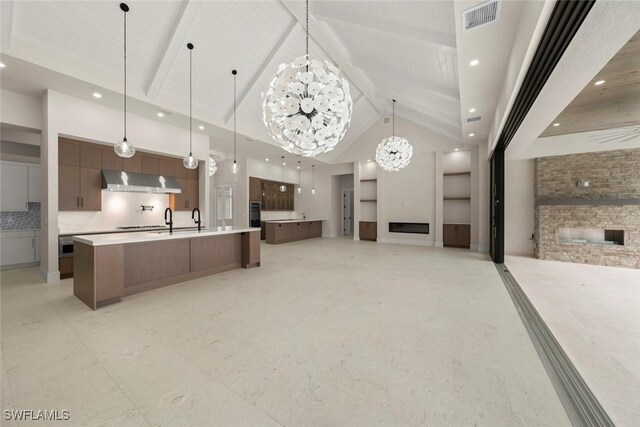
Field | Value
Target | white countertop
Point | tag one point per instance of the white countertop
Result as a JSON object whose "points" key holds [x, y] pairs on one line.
{"points": [[154, 236], [282, 221]]}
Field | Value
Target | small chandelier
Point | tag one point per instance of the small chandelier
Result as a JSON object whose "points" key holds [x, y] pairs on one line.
{"points": [[307, 107], [283, 188], [189, 161], [124, 148], [213, 167], [395, 152], [234, 168]]}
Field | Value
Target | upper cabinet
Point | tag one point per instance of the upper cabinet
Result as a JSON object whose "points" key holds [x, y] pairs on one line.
{"points": [[20, 185], [80, 166], [269, 195]]}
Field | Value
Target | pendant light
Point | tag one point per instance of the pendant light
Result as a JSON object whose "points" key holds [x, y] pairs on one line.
{"points": [[283, 188], [394, 153], [190, 162], [124, 148], [299, 188], [313, 177], [307, 106], [213, 167], [234, 168]]}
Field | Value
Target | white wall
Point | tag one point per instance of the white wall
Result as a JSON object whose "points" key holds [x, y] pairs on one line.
{"points": [[519, 207], [20, 110]]}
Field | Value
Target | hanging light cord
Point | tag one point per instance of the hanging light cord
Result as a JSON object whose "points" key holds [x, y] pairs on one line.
{"points": [[282, 170], [125, 76], [190, 98], [307, 29], [313, 175], [393, 121], [235, 73]]}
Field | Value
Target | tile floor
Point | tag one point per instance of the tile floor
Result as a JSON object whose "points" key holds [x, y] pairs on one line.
{"points": [[328, 332], [594, 313]]}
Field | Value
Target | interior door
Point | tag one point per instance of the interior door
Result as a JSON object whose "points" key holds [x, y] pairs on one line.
{"points": [[224, 206], [347, 212]]}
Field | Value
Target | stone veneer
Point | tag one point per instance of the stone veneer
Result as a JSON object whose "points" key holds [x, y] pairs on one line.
{"points": [[611, 175]]}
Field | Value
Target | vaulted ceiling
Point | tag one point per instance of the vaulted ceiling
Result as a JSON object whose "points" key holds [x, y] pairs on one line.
{"points": [[405, 50]]}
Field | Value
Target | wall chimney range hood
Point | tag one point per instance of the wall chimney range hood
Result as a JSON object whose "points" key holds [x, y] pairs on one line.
{"points": [[138, 182]]}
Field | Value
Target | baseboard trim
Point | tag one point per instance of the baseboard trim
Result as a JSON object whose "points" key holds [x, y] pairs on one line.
{"points": [[581, 405], [50, 276], [480, 249], [439, 245]]}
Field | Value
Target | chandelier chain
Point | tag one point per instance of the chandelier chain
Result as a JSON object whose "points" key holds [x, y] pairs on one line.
{"points": [[307, 29], [393, 120], [234, 115]]}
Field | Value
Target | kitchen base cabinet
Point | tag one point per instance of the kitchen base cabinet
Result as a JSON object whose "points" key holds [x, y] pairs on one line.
{"points": [[368, 230], [19, 247], [456, 235], [291, 231]]}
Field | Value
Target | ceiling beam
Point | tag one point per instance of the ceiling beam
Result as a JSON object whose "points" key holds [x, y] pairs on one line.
{"points": [[431, 111], [430, 123], [266, 66], [432, 39], [329, 42], [174, 42], [7, 10]]}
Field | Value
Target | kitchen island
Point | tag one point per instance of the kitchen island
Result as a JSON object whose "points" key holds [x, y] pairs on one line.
{"points": [[291, 230], [108, 267]]}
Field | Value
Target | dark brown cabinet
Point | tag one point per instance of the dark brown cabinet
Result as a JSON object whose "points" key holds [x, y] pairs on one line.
{"points": [[80, 166], [269, 195], [456, 235], [368, 230]]}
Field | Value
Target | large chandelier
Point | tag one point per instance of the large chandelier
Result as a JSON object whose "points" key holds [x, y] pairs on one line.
{"points": [[395, 152], [307, 107]]}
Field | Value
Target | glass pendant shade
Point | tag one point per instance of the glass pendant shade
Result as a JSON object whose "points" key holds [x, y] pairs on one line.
{"points": [[313, 191], [307, 107], [394, 153], [213, 167], [283, 188], [299, 190], [190, 162], [124, 149], [234, 168]]}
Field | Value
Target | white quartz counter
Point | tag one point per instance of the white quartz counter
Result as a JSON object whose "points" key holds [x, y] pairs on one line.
{"points": [[154, 236], [282, 221]]}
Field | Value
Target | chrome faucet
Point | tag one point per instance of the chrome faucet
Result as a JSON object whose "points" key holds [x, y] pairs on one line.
{"points": [[170, 222], [193, 214]]}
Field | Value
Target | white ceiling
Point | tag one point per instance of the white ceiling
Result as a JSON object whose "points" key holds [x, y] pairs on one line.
{"points": [[407, 50]]}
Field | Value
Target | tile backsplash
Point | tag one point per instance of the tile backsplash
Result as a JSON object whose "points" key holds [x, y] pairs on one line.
{"points": [[28, 220]]}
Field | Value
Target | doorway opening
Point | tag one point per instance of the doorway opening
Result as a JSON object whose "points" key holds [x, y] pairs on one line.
{"points": [[347, 212], [224, 205]]}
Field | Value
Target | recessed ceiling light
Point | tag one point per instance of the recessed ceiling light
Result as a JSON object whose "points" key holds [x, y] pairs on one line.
{"points": [[599, 82], [298, 167], [266, 160], [160, 114], [471, 134], [201, 127], [556, 125], [97, 95], [474, 62], [284, 164], [2, 65], [472, 110], [457, 149], [368, 160]]}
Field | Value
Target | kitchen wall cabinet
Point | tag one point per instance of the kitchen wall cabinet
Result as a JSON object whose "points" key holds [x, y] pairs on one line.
{"points": [[456, 235], [15, 187], [35, 178], [368, 230], [80, 175], [269, 195]]}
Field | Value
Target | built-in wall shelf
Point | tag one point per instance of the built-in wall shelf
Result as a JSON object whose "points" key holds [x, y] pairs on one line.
{"points": [[456, 173], [368, 200], [457, 198], [368, 180]]}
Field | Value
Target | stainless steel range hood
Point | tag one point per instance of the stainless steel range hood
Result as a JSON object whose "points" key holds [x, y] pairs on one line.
{"points": [[138, 182]]}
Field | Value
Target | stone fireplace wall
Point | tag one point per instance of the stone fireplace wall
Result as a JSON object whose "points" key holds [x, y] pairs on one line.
{"points": [[611, 201]]}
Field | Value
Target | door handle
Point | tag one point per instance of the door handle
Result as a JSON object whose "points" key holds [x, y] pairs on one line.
{"points": [[77, 202]]}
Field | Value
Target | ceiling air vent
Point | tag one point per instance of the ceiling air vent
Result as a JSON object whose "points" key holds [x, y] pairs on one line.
{"points": [[480, 15], [386, 121], [474, 119]]}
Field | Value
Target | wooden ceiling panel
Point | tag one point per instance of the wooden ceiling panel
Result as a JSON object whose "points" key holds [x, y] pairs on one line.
{"points": [[614, 104]]}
